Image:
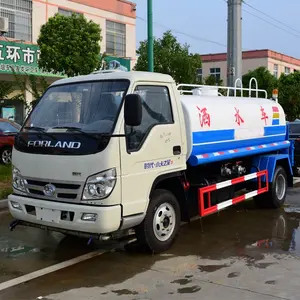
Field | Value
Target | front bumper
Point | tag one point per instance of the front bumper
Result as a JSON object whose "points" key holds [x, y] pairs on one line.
{"points": [[52, 214]]}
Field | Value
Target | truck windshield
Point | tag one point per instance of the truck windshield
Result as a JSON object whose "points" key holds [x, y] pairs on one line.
{"points": [[89, 106]]}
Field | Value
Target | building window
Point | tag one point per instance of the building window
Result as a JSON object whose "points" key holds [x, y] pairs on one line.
{"points": [[19, 14], [115, 39], [216, 72], [199, 74], [67, 13], [275, 71], [287, 70]]}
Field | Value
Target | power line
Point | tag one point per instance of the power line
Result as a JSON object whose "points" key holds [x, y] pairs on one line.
{"points": [[266, 21], [186, 34], [274, 19]]}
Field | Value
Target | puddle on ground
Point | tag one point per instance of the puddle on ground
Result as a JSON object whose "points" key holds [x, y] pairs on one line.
{"points": [[244, 232], [189, 290], [125, 292], [182, 281], [270, 282], [234, 274], [17, 250], [263, 265], [211, 268], [25, 249]]}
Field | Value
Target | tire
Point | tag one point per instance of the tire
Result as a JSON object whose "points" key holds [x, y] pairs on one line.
{"points": [[161, 225], [276, 195], [5, 156]]}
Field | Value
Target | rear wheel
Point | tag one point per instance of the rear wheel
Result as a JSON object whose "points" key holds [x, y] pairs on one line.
{"points": [[162, 222], [5, 156], [276, 195]]}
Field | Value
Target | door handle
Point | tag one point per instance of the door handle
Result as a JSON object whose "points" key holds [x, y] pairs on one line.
{"points": [[176, 150]]}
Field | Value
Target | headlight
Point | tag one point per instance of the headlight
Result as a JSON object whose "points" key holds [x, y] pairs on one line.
{"points": [[99, 186], [17, 180]]}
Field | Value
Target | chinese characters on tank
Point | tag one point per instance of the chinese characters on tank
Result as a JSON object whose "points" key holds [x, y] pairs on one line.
{"points": [[204, 116], [238, 119], [264, 116]]}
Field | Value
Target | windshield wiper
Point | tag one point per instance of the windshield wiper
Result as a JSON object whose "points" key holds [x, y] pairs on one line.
{"points": [[41, 130], [76, 129]]}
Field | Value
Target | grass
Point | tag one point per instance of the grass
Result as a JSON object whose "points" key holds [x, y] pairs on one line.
{"points": [[5, 181]]}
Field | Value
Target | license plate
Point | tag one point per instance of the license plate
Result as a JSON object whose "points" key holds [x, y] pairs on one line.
{"points": [[47, 215]]}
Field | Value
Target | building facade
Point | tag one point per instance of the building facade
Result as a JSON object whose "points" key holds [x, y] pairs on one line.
{"points": [[276, 63], [18, 48]]}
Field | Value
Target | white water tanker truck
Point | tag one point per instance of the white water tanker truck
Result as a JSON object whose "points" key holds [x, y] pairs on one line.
{"points": [[112, 151]]}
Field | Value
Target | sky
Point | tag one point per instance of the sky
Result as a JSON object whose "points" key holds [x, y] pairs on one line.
{"points": [[196, 21]]}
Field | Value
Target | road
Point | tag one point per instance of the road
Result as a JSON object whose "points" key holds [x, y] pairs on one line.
{"points": [[240, 253]]}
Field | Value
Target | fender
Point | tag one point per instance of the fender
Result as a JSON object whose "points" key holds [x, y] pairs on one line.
{"points": [[164, 177], [165, 181], [176, 183], [269, 162]]}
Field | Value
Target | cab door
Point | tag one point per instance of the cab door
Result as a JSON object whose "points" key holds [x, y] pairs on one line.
{"points": [[152, 149]]}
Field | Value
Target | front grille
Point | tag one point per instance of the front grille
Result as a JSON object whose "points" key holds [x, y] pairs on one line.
{"points": [[36, 192], [57, 184], [67, 196], [64, 191]]}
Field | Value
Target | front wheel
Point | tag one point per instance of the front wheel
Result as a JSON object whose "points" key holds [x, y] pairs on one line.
{"points": [[276, 195], [162, 222]]}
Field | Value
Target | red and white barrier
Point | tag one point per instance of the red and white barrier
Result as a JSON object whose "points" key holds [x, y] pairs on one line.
{"points": [[204, 211]]}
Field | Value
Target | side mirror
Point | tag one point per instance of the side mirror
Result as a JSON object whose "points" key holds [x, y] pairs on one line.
{"points": [[133, 110]]}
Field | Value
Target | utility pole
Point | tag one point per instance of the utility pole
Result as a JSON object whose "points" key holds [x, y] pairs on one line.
{"points": [[150, 36], [234, 41]]}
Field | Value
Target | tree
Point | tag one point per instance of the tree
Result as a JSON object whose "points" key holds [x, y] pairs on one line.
{"points": [[102, 63], [212, 80], [35, 85], [266, 81], [289, 95], [69, 44], [6, 88], [170, 57]]}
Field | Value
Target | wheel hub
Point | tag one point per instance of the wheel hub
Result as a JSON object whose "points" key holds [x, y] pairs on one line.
{"points": [[6, 156], [164, 222], [280, 187]]}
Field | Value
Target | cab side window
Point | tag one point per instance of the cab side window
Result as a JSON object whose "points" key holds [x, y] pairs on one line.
{"points": [[157, 110]]}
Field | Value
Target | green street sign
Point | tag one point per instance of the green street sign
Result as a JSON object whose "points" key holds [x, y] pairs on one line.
{"points": [[123, 63], [22, 58]]}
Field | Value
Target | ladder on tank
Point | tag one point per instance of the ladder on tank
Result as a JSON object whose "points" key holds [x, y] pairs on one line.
{"points": [[195, 89]]}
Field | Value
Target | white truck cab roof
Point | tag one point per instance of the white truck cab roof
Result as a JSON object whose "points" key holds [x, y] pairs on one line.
{"points": [[107, 75]]}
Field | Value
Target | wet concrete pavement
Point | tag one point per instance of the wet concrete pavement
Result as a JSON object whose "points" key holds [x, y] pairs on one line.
{"points": [[242, 253], [28, 249]]}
